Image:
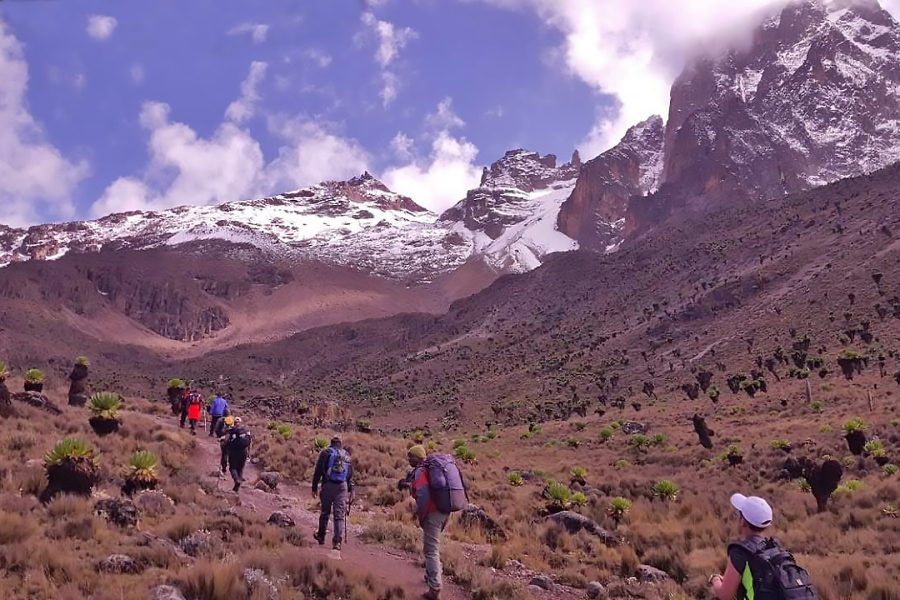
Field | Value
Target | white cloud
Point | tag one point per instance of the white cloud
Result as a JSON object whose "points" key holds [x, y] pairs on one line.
{"points": [[402, 145], [244, 107], [101, 27], [391, 40], [443, 178], [313, 154], [633, 50], [185, 168], [318, 57], [137, 73], [443, 117], [36, 180], [257, 31]]}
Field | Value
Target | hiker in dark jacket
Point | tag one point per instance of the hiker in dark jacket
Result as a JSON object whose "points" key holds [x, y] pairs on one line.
{"points": [[334, 472], [237, 448], [222, 430], [218, 410]]}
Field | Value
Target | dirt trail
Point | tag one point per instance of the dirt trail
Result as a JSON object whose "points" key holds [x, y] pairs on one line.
{"points": [[389, 566]]}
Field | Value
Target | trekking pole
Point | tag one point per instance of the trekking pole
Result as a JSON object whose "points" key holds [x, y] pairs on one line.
{"points": [[347, 520]]}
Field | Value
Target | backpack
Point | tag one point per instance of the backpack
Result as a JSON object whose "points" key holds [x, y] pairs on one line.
{"points": [[239, 441], [194, 398], [338, 469], [776, 575], [445, 482]]}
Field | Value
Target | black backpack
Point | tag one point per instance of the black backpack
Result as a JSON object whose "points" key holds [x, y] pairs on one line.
{"points": [[239, 440], [776, 575]]}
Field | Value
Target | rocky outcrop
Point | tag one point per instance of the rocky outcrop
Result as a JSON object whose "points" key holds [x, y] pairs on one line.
{"points": [[573, 523], [118, 512], [593, 215], [38, 400]]}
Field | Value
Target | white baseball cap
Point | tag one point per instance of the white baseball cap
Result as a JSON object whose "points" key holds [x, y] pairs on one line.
{"points": [[755, 510]]}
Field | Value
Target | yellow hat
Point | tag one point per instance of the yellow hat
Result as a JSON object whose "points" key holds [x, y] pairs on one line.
{"points": [[229, 420], [417, 452]]}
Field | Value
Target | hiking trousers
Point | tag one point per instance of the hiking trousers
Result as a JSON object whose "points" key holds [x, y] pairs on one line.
{"points": [[432, 528], [334, 497], [213, 419], [237, 462]]}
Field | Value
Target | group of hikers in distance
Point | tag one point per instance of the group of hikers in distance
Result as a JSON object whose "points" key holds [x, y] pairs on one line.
{"points": [[758, 567]]}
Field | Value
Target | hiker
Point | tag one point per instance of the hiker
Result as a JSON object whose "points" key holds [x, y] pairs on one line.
{"points": [[222, 429], [334, 470], [759, 568], [237, 448], [439, 489], [194, 410], [217, 410], [183, 405]]}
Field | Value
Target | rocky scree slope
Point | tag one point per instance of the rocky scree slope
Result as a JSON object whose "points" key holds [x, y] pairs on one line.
{"points": [[813, 98], [717, 293]]}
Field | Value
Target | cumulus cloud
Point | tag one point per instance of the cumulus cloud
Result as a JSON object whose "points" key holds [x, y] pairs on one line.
{"points": [[257, 31], [441, 179], [632, 50], [185, 168], [391, 40], [318, 57], [244, 107], [36, 180], [101, 27]]}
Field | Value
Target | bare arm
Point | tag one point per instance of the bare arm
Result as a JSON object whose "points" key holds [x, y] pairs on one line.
{"points": [[726, 587]]}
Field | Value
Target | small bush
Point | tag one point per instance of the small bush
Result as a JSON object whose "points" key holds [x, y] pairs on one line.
{"points": [[106, 405], [606, 434], [817, 406], [558, 495], [178, 384], [890, 469], [320, 442], [68, 448], [34, 376], [573, 442], [639, 441], [466, 454], [515, 479], [579, 499], [4, 371], [659, 440], [665, 490], [282, 429], [618, 508], [459, 443], [875, 448], [579, 473], [621, 465], [143, 465], [854, 424], [781, 444], [83, 361]]}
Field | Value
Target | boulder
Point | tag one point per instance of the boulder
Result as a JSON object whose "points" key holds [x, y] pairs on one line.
{"points": [[166, 592], [117, 511], [154, 503], [573, 523], [543, 582], [474, 517], [271, 479], [119, 564], [38, 400], [648, 574], [281, 519], [633, 427], [198, 543], [595, 590]]}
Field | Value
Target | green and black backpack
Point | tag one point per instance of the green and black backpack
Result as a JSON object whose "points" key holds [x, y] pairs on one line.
{"points": [[772, 573]]}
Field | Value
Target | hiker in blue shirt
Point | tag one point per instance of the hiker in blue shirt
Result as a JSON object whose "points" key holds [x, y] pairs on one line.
{"points": [[217, 410]]}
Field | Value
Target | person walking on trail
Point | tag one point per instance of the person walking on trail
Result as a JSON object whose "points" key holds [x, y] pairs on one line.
{"points": [[438, 488], [759, 568], [237, 449], [183, 405], [194, 410], [334, 471], [218, 410], [221, 431]]}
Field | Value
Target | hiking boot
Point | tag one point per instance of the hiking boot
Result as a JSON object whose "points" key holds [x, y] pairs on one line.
{"points": [[319, 538], [337, 547], [432, 594], [237, 486]]}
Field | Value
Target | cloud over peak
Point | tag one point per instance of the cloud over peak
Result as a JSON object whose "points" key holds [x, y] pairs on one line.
{"points": [[101, 27]]}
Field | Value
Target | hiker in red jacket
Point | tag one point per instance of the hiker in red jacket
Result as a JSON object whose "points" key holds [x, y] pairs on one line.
{"points": [[431, 520], [194, 409]]}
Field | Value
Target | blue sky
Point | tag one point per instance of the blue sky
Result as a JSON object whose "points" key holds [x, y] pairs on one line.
{"points": [[89, 81], [109, 106]]}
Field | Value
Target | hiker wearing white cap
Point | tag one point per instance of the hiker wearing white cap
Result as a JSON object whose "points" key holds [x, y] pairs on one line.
{"points": [[758, 567]]}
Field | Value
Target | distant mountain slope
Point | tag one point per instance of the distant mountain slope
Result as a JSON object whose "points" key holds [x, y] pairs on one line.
{"points": [[719, 292]]}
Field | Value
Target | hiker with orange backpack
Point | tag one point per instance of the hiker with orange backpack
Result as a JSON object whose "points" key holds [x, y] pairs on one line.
{"points": [[438, 488]]}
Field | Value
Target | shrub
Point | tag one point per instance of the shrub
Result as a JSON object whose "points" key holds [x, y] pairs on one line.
{"points": [[606, 434], [34, 376], [875, 448], [106, 405], [515, 479], [665, 490], [282, 429], [533, 430], [4, 371], [71, 449], [573, 442], [639, 441], [621, 465], [558, 495], [616, 424], [83, 361], [492, 434], [579, 499], [659, 440], [826, 429], [178, 384], [890, 469], [854, 424], [817, 406], [143, 466], [579, 473], [364, 425], [459, 443], [466, 454], [618, 508], [804, 486], [418, 436], [849, 487], [320, 442], [781, 444]]}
